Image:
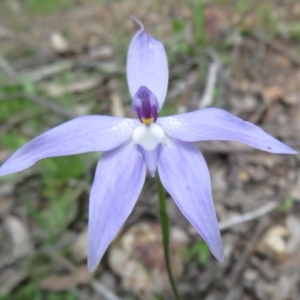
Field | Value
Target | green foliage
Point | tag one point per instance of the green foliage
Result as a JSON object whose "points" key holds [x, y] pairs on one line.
{"points": [[168, 111], [60, 210], [52, 218], [165, 229], [199, 253], [33, 292], [29, 291], [294, 31], [268, 20], [198, 22], [178, 25], [14, 107], [181, 45], [60, 189], [12, 140], [61, 206], [28, 86], [286, 206], [47, 6], [242, 6], [61, 169]]}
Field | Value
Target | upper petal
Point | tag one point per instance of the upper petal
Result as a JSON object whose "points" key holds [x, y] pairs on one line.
{"points": [[147, 65], [119, 178], [218, 124], [83, 134], [184, 173]]}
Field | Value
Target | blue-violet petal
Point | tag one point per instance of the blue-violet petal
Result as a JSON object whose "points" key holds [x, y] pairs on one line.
{"points": [[218, 124], [147, 65], [80, 135], [184, 174], [118, 181]]}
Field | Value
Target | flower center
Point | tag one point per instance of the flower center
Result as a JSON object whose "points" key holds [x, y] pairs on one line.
{"points": [[148, 136], [146, 105]]}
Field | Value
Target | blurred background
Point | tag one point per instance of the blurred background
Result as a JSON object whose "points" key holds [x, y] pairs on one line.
{"points": [[64, 58]]}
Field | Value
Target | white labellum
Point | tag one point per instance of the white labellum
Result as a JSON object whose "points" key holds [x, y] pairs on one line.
{"points": [[148, 136]]}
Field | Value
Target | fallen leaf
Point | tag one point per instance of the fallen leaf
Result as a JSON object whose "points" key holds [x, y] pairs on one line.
{"points": [[59, 43], [21, 241], [293, 227], [79, 248], [273, 93], [273, 244]]}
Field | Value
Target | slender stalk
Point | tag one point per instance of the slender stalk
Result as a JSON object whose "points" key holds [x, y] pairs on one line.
{"points": [[164, 221]]}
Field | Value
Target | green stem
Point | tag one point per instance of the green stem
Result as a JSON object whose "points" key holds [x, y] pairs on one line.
{"points": [[164, 221]]}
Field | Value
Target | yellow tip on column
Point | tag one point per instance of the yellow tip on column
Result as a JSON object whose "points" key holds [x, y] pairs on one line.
{"points": [[147, 122]]}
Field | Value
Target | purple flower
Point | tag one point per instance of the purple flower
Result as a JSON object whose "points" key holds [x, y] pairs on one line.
{"points": [[130, 146]]}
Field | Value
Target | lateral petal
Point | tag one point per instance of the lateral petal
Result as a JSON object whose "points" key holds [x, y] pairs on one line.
{"points": [[184, 174], [83, 134], [119, 179], [147, 65], [218, 124]]}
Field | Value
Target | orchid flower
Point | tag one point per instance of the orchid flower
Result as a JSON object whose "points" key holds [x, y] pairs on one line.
{"points": [[130, 146]]}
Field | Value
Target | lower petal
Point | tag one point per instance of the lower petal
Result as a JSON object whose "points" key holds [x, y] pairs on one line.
{"points": [[119, 179], [184, 174]]}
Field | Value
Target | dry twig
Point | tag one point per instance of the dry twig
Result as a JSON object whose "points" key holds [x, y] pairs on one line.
{"points": [[49, 70], [103, 291], [250, 216], [213, 70]]}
